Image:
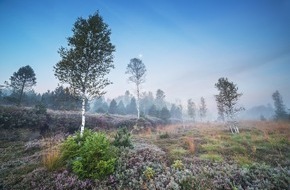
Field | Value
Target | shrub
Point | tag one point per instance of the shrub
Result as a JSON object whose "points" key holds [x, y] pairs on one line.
{"points": [[90, 156], [164, 135], [14, 117], [177, 153], [123, 138], [149, 173], [177, 164]]}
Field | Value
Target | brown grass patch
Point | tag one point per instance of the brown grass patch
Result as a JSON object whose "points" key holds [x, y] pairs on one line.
{"points": [[189, 141], [51, 157]]}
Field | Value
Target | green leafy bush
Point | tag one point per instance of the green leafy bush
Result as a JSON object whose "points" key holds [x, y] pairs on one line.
{"points": [[91, 156], [123, 138]]}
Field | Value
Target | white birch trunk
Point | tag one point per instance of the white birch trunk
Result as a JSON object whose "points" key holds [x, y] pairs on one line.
{"points": [[138, 102], [83, 115]]}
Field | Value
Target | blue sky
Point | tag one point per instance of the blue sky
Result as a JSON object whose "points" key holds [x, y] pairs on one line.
{"points": [[185, 45]]}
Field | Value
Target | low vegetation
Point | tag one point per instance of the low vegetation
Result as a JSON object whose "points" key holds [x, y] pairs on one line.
{"points": [[192, 156]]}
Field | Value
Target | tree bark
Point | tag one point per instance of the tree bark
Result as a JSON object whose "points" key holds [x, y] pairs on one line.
{"points": [[21, 93], [83, 115], [138, 102]]}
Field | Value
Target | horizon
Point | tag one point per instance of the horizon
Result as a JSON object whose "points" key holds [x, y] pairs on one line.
{"points": [[186, 46]]}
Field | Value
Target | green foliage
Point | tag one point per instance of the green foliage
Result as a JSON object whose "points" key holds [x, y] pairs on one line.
{"points": [[61, 99], [149, 173], [123, 138], [177, 153], [178, 164], [212, 157], [90, 156], [22, 80], [227, 99], [91, 44], [164, 135]]}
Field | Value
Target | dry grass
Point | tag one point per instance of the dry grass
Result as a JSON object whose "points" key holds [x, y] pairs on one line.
{"points": [[257, 141], [189, 141], [51, 157]]}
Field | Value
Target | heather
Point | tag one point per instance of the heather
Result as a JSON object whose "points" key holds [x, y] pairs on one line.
{"points": [[179, 156]]}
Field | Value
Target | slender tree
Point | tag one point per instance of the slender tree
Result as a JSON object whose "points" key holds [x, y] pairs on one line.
{"points": [[227, 100], [202, 109], [191, 109], [280, 111], [113, 107], [164, 114], [121, 108], [160, 99], [88, 59], [153, 111], [132, 107], [21, 81], [137, 71]]}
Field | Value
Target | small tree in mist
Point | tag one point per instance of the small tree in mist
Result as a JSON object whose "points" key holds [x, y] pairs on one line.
{"points": [[137, 70], [202, 109], [113, 107], [164, 114], [132, 107], [88, 59], [21, 81], [280, 111], [160, 99], [121, 108], [191, 109], [227, 100]]}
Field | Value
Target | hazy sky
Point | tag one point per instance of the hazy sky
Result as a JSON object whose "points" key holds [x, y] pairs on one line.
{"points": [[186, 45]]}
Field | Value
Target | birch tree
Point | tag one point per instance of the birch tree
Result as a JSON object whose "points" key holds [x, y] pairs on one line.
{"points": [[137, 70], [87, 60], [227, 100], [191, 109], [202, 109]]}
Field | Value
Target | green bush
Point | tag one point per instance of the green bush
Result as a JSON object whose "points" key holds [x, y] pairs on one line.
{"points": [[178, 164], [123, 138], [91, 156], [149, 173], [164, 135]]}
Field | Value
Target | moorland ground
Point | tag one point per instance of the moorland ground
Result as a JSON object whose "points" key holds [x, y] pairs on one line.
{"points": [[179, 156]]}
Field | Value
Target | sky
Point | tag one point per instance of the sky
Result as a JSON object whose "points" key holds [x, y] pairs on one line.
{"points": [[186, 45]]}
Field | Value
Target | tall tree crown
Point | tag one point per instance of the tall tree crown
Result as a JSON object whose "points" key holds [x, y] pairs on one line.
{"points": [[137, 70], [24, 77], [227, 98], [88, 57]]}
